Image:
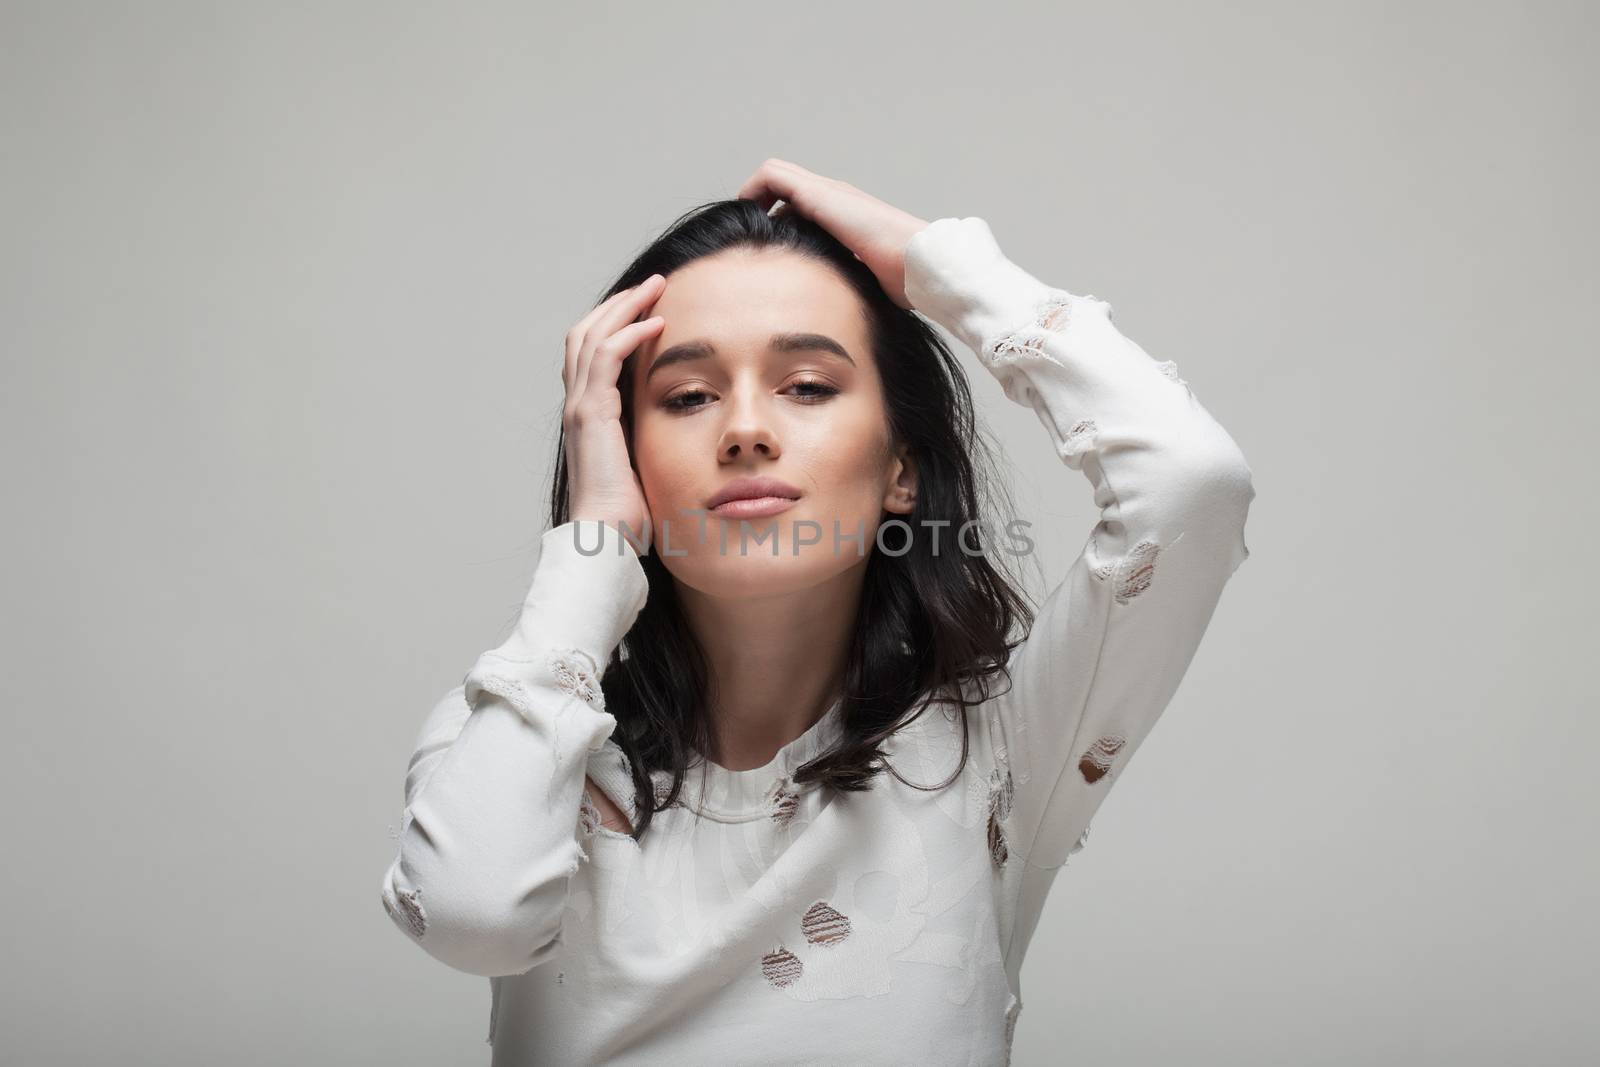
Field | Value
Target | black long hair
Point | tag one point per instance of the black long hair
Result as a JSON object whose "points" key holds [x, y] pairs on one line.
{"points": [[930, 624]]}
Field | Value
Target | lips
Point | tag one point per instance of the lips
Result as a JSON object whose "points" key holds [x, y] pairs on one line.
{"points": [[752, 489]]}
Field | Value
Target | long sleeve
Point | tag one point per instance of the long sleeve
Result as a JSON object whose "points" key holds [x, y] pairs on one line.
{"points": [[489, 839], [1113, 639]]}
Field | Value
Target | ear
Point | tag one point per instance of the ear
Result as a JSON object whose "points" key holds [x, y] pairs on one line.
{"points": [[901, 497]]}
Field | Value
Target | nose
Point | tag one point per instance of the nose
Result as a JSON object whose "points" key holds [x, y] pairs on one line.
{"points": [[748, 432]]}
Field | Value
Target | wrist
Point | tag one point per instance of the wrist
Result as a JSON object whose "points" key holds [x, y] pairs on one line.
{"points": [[634, 530]]}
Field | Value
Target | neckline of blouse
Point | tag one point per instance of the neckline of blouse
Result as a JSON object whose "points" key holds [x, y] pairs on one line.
{"points": [[767, 791]]}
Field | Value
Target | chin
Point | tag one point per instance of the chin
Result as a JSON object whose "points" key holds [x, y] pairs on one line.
{"points": [[729, 574]]}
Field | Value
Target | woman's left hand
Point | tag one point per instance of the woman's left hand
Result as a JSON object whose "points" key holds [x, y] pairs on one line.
{"points": [[875, 231]]}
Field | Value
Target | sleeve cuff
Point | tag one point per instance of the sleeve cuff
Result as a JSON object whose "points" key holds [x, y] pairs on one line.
{"points": [[957, 275], [588, 588]]}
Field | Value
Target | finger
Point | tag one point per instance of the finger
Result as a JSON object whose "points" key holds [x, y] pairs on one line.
{"points": [[575, 335], [610, 353], [634, 305], [775, 179], [631, 303], [580, 331]]}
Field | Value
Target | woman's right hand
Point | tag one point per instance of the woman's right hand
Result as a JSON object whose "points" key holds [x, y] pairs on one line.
{"points": [[601, 482]]}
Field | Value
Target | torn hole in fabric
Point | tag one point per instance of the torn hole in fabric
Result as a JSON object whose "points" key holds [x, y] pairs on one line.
{"points": [[1095, 763], [784, 800], [1130, 574], [588, 815], [1000, 800], [1013, 1009], [1136, 570], [577, 675], [1081, 438], [781, 967], [823, 924], [1050, 317], [406, 906]]}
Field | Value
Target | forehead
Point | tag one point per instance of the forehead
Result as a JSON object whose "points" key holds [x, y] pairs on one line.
{"points": [[743, 296]]}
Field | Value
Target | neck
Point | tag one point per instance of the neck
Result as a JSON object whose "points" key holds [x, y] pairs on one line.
{"points": [[776, 663]]}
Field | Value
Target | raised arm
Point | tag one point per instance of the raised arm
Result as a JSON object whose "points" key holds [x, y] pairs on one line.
{"points": [[490, 837], [1115, 636]]}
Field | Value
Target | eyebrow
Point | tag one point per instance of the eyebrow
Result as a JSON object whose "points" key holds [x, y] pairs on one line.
{"points": [[685, 351]]}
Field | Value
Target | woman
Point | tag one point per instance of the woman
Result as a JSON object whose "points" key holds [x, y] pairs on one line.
{"points": [[761, 775]]}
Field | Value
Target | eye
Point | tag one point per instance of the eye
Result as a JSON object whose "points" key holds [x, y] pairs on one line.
{"points": [[816, 390], [681, 401]]}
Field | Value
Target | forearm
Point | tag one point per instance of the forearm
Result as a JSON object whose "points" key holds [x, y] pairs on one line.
{"points": [[489, 842]]}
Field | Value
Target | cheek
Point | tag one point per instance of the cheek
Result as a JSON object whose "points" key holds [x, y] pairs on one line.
{"points": [[846, 461], [662, 449]]}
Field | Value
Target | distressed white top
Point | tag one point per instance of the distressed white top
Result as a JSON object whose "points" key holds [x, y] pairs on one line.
{"points": [[760, 922]]}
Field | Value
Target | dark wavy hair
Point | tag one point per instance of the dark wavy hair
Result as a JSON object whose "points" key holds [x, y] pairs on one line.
{"points": [[930, 625]]}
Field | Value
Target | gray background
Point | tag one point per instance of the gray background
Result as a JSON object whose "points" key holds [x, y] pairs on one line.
{"points": [[284, 290]]}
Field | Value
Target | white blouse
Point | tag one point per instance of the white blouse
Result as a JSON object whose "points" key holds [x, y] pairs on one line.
{"points": [[763, 922]]}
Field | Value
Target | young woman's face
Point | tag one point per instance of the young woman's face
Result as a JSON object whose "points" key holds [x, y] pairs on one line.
{"points": [[742, 382]]}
